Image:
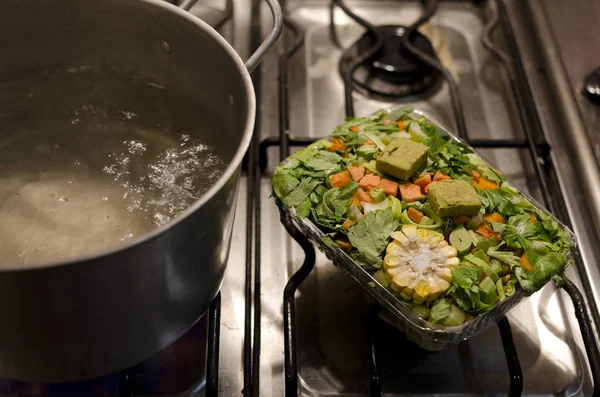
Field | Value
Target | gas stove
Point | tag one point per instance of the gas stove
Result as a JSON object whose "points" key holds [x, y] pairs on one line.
{"points": [[288, 322]]}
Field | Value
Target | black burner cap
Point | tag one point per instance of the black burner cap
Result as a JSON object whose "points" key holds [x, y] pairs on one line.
{"points": [[393, 72]]}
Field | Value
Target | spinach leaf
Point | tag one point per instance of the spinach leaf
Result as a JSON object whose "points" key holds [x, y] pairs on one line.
{"points": [[283, 184], [301, 192], [545, 268], [303, 210], [334, 206], [371, 234], [324, 161], [439, 310]]}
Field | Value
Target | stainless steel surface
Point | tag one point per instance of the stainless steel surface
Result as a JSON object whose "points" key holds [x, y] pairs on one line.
{"points": [[331, 311], [87, 317], [574, 36], [582, 147]]}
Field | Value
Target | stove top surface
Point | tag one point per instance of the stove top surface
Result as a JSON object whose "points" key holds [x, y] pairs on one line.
{"points": [[331, 311]]}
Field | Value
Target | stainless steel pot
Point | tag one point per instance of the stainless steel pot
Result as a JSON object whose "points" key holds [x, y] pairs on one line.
{"points": [[91, 316]]}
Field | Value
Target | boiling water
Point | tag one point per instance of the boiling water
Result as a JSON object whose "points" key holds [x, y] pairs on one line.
{"points": [[78, 179]]}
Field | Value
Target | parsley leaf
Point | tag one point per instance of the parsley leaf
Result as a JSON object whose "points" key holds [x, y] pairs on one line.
{"points": [[301, 192], [370, 235]]}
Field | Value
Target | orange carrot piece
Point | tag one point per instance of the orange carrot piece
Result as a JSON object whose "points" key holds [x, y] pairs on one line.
{"points": [[410, 192], [355, 128], [532, 218], [524, 262], [364, 196], [339, 179], [494, 217], [440, 177], [415, 215], [459, 220], [390, 188], [423, 180], [357, 173], [337, 145], [485, 231], [344, 244], [476, 175], [348, 224], [485, 183], [369, 142], [369, 181]]}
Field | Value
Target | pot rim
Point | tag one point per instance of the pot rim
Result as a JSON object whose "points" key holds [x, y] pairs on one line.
{"points": [[213, 190]]}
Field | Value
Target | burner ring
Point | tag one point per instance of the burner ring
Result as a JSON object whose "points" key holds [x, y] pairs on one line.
{"points": [[393, 73]]}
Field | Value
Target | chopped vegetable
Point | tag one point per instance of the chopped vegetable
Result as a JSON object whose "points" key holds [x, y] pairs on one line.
{"points": [[389, 187], [461, 240], [484, 183], [369, 181], [423, 180], [344, 244], [410, 192], [494, 217], [440, 177], [337, 145], [364, 196], [339, 179], [420, 264], [357, 173], [415, 215], [370, 177], [524, 262]]}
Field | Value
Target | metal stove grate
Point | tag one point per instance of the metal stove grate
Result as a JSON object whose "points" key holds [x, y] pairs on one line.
{"points": [[534, 142]]}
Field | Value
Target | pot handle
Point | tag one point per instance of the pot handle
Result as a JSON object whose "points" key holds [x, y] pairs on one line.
{"points": [[260, 52]]}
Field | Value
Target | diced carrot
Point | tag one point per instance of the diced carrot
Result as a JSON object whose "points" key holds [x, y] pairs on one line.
{"points": [[494, 217], [485, 183], [387, 121], [476, 175], [423, 180], [390, 188], [440, 177], [364, 196], [426, 189], [357, 173], [532, 218], [356, 199], [507, 278], [369, 181], [337, 145], [524, 262], [485, 231], [355, 128], [459, 220], [414, 214], [400, 125], [410, 192], [348, 224], [339, 179], [369, 142], [344, 244]]}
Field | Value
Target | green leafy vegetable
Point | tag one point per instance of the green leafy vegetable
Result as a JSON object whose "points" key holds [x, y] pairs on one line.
{"points": [[331, 211], [378, 194], [371, 234], [283, 184], [301, 192]]}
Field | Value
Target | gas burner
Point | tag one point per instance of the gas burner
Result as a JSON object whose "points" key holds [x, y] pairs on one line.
{"points": [[393, 73]]}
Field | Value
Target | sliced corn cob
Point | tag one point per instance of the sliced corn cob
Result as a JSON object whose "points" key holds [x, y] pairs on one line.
{"points": [[419, 263]]}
